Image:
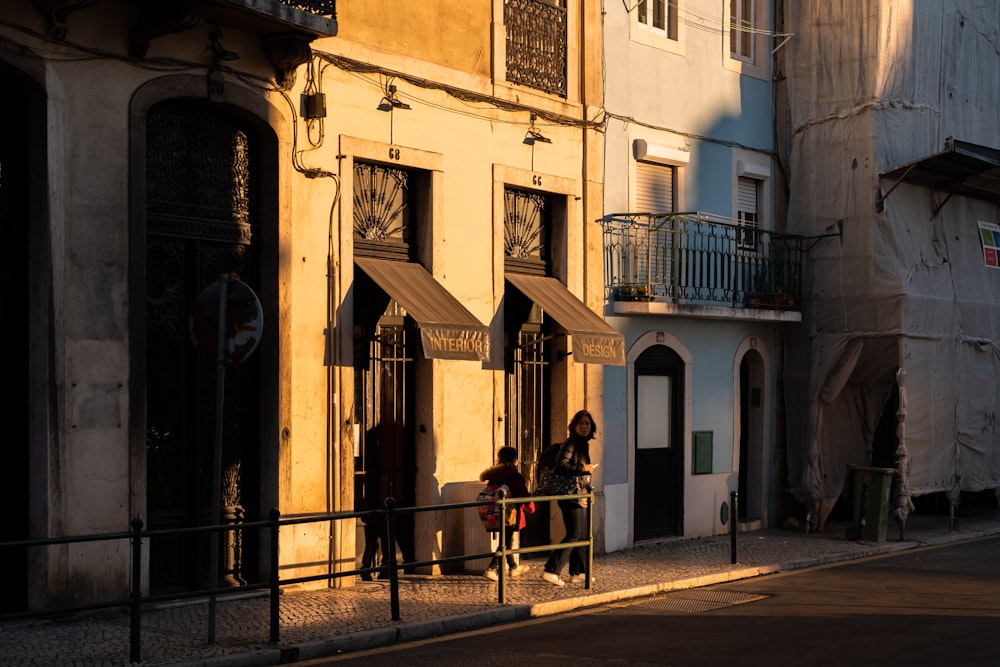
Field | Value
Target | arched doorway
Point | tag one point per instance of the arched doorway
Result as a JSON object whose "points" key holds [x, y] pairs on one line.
{"points": [[658, 415], [203, 220], [752, 498]]}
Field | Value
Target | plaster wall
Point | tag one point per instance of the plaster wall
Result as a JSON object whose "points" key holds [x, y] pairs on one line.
{"points": [[94, 477]]}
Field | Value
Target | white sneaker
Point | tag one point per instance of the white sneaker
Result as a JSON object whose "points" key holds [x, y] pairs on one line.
{"points": [[553, 578], [581, 579], [519, 570], [491, 574]]}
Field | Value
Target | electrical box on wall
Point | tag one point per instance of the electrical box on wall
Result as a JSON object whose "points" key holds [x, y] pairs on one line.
{"points": [[313, 105], [701, 453]]}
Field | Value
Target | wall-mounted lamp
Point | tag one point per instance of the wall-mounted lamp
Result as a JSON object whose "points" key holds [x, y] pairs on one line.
{"points": [[390, 101], [533, 135]]}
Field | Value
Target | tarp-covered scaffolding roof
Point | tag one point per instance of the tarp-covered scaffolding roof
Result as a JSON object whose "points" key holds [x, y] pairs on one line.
{"points": [[903, 311]]}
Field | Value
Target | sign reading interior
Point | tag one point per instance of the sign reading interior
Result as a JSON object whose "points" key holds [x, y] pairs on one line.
{"points": [[444, 343]]}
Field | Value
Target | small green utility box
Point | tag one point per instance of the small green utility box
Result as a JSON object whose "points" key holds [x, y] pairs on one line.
{"points": [[874, 507]]}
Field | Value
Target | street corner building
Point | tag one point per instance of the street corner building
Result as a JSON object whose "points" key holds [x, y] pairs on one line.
{"points": [[274, 255]]}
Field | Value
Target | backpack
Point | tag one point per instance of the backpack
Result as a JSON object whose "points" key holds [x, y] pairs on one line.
{"points": [[490, 513]]}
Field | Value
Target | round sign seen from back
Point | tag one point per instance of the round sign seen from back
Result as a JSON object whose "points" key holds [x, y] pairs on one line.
{"points": [[243, 316]]}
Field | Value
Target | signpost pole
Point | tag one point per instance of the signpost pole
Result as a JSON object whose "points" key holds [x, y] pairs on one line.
{"points": [[234, 336], [216, 500]]}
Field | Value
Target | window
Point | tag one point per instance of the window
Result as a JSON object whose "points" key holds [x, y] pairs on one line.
{"points": [[747, 213], [741, 32], [658, 15], [654, 188], [657, 24], [748, 49], [382, 206], [537, 44], [526, 231]]}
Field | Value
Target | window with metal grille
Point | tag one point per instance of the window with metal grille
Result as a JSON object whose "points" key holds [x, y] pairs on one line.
{"points": [[537, 44], [382, 210], [525, 231]]}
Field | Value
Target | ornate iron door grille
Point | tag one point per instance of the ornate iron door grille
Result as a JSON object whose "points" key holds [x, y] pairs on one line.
{"points": [[382, 206], [525, 232], [199, 226]]}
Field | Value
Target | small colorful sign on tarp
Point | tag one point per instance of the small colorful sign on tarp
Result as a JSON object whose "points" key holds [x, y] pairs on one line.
{"points": [[990, 234]]}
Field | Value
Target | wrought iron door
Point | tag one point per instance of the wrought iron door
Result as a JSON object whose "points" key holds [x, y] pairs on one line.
{"points": [[200, 225], [385, 460], [527, 250], [527, 398]]}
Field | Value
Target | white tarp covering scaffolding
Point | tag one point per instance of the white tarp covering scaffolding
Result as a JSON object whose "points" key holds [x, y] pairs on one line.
{"points": [[903, 308]]}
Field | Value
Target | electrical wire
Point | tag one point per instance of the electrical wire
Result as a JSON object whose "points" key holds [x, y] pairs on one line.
{"points": [[357, 67]]}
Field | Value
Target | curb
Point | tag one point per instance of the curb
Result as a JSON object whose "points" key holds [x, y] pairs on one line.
{"points": [[402, 632], [428, 629]]}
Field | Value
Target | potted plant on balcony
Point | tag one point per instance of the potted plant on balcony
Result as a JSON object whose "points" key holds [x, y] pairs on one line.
{"points": [[634, 292]]}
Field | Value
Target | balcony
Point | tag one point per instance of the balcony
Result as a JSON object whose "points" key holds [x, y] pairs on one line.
{"points": [[697, 261], [537, 44], [285, 27]]}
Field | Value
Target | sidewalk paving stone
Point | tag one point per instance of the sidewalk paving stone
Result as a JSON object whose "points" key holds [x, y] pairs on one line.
{"points": [[317, 623]]}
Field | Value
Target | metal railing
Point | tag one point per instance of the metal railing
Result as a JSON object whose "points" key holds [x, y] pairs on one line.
{"points": [[700, 258], [390, 567], [320, 7]]}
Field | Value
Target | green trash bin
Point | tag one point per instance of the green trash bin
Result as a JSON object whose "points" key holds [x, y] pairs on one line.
{"points": [[873, 508]]}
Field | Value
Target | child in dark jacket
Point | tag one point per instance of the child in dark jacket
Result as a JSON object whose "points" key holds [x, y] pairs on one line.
{"points": [[506, 472]]}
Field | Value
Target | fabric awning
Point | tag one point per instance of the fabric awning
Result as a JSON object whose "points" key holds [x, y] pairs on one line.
{"points": [[594, 340], [447, 329]]}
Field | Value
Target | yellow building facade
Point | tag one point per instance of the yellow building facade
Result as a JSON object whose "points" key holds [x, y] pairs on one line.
{"points": [[398, 200]]}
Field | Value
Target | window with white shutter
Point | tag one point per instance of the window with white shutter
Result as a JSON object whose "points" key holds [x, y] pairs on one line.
{"points": [[747, 212], [654, 188]]}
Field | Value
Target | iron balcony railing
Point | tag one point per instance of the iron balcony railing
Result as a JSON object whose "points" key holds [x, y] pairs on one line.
{"points": [[536, 44], [699, 258], [321, 7]]}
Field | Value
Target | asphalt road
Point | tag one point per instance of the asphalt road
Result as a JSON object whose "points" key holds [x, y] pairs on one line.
{"points": [[937, 606]]}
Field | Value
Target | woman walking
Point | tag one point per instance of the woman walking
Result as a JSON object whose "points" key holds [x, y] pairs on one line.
{"points": [[573, 460]]}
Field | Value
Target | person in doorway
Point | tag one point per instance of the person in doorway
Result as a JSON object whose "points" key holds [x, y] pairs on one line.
{"points": [[573, 460], [506, 472], [376, 537]]}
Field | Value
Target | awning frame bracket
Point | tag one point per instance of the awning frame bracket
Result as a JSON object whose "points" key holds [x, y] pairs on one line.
{"points": [[839, 234]]}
